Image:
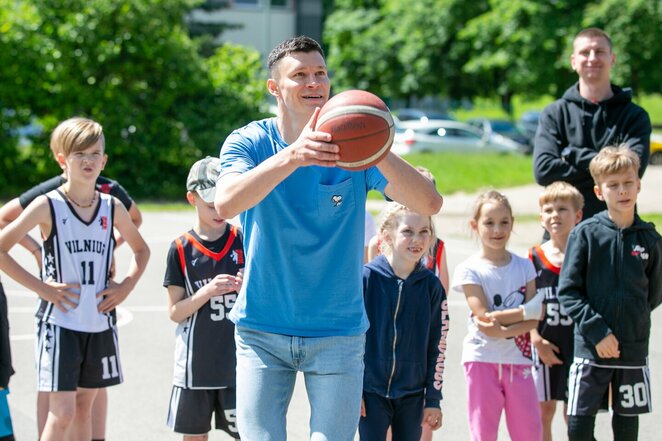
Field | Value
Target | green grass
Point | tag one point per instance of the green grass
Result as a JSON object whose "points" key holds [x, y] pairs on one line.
{"points": [[653, 105], [471, 172]]}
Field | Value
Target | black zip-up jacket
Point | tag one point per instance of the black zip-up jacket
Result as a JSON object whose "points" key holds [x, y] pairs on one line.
{"points": [[406, 341], [585, 128], [610, 282]]}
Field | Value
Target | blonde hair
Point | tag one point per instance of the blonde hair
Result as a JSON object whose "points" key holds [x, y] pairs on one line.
{"points": [[561, 191], [74, 135], [390, 222], [490, 196], [611, 160]]}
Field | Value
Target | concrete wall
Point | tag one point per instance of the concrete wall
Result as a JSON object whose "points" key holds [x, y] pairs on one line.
{"points": [[264, 26]]}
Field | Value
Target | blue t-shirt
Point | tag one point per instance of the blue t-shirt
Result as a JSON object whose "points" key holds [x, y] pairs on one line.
{"points": [[303, 243]]}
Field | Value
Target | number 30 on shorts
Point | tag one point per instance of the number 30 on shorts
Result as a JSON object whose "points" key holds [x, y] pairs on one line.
{"points": [[633, 395]]}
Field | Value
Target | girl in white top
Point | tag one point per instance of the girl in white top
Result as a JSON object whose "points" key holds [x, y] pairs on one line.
{"points": [[496, 352]]}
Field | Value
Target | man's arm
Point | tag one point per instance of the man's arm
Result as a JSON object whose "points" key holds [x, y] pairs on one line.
{"points": [[408, 186], [237, 192], [548, 164]]}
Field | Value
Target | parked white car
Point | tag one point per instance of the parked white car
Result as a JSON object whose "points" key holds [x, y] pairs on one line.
{"points": [[447, 136]]}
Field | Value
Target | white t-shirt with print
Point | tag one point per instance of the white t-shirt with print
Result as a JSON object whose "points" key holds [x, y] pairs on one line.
{"points": [[504, 288]]}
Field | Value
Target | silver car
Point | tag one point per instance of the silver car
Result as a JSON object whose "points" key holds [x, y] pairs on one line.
{"points": [[447, 136]]}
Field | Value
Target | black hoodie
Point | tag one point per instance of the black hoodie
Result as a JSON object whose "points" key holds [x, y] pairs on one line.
{"points": [[586, 127], [610, 282]]}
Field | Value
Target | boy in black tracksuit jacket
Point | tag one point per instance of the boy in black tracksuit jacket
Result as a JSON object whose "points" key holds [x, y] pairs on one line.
{"points": [[610, 282], [405, 345]]}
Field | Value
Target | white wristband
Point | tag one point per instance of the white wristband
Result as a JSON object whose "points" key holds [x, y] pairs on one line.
{"points": [[533, 308]]}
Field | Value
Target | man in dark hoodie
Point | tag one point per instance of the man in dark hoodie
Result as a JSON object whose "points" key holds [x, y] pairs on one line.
{"points": [[592, 114]]}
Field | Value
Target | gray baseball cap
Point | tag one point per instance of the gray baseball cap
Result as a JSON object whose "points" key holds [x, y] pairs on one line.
{"points": [[202, 178]]}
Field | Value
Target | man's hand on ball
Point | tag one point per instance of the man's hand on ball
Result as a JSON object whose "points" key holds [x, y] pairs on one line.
{"points": [[313, 147]]}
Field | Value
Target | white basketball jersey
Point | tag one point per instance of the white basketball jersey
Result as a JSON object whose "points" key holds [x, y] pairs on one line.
{"points": [[79, 252]]}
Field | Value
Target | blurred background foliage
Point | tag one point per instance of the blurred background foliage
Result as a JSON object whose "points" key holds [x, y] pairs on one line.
{"points": [[462, 49], [132, 66], [167, 95]]}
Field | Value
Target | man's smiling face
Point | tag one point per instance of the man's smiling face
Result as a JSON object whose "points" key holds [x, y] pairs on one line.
{"points": [[300, 82]]}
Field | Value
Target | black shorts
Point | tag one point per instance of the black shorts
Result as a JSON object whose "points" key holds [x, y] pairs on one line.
{"points": [[67, 360], [551, 381], [191, 410], [588, 388]]}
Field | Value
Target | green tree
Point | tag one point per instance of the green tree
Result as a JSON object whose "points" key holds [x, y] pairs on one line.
{"points": [[456, 48], [635, 28], [130, 65], [399, 49]]}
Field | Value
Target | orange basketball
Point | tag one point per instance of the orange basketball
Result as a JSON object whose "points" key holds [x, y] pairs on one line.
{"points": [[361, 125]]}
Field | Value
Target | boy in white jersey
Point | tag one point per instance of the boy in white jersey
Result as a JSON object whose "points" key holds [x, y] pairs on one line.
{"points": [[76, 335], [203, 276]]}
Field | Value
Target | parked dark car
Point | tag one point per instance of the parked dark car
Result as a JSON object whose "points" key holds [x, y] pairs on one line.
{"points": [[529, 123], [503, 128]]}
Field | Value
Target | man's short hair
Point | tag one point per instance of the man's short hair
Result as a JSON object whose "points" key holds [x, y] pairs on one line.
{"points": [[611, 160], [292, 45], [593, 33], [561, 191]]}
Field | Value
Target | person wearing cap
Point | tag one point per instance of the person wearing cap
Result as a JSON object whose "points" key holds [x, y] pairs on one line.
{"points": [[301, 308], [203, 276]]}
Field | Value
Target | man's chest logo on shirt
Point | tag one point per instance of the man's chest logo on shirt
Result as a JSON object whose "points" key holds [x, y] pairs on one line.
{"points": [[336, 199]]}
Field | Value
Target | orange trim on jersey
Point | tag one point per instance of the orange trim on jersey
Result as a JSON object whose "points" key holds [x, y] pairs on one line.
{"points": [[440, 253], [180, 251], [216, 256], [549, 265]]}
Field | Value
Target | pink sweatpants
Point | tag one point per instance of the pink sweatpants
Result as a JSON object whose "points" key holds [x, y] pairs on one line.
{"points": [[493, 387]]}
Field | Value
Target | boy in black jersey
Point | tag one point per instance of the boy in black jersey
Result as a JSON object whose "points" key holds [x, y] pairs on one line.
{"points": [[560, 210], [203, 276], [610, 283]]}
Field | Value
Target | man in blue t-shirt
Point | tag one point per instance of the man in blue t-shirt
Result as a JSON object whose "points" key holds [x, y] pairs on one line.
{"points": [[301, 305]]}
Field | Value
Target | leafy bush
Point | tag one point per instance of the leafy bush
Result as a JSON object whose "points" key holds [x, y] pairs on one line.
{"points": [[131, 66]]}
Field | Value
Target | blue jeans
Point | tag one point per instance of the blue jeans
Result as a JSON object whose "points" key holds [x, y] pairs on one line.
{"points": [[267, 365]]}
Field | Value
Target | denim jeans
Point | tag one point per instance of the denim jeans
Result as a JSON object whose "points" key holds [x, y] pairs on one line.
{"points": [[267, 366]]}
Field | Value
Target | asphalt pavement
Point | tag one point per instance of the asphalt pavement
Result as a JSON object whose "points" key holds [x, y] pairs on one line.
{"points": [[138, 407]]}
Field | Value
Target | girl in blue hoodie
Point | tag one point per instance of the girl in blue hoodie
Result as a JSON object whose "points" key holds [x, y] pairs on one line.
{"points": [[406, 342]]}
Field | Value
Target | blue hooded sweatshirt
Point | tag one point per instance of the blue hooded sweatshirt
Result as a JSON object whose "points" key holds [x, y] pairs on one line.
{"points": [[406, 341]]}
